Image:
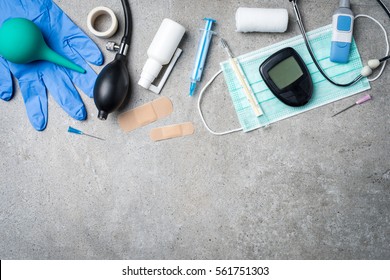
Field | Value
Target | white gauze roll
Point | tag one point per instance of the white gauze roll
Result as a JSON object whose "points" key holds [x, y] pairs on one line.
{"points": [[261, 20]]}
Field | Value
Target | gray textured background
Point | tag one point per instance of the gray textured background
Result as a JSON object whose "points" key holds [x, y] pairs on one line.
{"points": [[310, 187]]}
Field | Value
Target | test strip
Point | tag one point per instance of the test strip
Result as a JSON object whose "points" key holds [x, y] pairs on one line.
{"points": [[172, 131], [145, 114]]}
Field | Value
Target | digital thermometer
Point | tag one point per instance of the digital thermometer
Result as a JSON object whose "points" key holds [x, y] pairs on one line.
{"points": [[287, 76], [342, 33]]}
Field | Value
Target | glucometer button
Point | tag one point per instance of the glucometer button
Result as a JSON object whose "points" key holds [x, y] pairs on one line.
{"points": [[287, 94], [344, 23], [290, 96], [342, 44]]}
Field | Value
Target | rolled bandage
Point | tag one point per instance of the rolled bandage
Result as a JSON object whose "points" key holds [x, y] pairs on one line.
{"points": [[145, 114], [172, 131], [97, 12], [261, 20]]}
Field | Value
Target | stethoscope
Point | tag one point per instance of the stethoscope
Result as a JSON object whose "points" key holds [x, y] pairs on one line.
{"points": [[366, 71]]}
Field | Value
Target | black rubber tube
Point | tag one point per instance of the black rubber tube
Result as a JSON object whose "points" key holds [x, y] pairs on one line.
{"points": [[384, 7], [384, 59], [128, 22], [310, 50]]}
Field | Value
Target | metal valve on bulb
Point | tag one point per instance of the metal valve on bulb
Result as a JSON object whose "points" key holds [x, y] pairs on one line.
{"points": [[112, 46]]}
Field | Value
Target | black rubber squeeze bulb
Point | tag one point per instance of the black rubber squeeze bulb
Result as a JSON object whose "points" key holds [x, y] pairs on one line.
{"points": [[113, 82], [111, 87]]}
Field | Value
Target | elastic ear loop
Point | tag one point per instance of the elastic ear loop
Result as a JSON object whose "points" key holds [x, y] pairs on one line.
{"points": [[200, 111], [387, 45]]}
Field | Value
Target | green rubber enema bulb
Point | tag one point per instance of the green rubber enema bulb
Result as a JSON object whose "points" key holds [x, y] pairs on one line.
{"points": [[21, 41]]}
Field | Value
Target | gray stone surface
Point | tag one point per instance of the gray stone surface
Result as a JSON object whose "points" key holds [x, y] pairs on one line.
{"points": [[310, 187]]}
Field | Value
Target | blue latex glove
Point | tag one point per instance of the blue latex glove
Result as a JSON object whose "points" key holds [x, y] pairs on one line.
{"points": [[64, 37]]}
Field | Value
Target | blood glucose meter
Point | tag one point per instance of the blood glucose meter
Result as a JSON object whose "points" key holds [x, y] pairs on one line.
{"points": [[287, 77]]}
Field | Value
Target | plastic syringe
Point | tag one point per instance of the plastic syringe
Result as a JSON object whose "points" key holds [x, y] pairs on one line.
{"points": [[201, 55]]}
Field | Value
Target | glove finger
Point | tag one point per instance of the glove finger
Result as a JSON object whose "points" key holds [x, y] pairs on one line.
{"points": [[75, 37], [6, 86], [85, 47], [84, 81], [63, 91], [35, 98]]}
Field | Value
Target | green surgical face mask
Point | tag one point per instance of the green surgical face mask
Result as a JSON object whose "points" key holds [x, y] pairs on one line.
{"points": [[323, 93]]}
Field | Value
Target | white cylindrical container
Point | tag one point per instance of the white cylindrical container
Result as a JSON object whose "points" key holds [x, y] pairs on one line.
{"points": [[261, 20], [161, 50]]}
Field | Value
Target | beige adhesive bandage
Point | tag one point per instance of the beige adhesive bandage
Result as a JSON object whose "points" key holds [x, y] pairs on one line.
{"points": [[145, 114], [172, 131]]}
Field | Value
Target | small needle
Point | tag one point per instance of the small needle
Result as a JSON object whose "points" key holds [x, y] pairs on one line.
{"points": [[79, 132], [360, 101]]}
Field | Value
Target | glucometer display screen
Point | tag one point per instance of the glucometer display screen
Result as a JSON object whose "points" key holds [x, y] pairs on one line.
{"points": [[287, 76], [285, 72]]}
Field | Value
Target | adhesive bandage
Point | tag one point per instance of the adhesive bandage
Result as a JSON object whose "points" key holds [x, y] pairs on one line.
{"points": [[172, 131], [145, 114]]}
